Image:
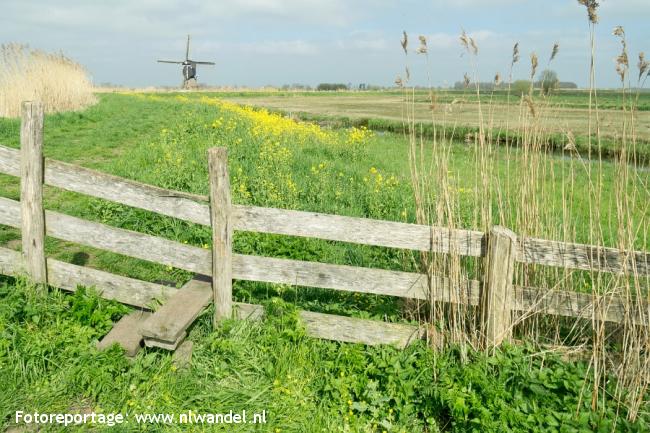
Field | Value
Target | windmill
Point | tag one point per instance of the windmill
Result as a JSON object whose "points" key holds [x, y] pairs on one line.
{"points": [[189, 67]]}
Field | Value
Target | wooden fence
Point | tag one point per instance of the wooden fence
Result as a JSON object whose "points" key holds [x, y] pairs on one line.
{"points": [[496, 296]]}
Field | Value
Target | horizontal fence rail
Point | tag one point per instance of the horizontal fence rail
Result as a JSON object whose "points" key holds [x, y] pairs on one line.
{"points": [[583, 257], [68, 276], [310, 274], [194, 208], [142, 294], [250, 268]]}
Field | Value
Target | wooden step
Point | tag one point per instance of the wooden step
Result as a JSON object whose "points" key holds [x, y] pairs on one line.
{"points": [[179, 311], [182, 357], [167, 345], [126, 333]]}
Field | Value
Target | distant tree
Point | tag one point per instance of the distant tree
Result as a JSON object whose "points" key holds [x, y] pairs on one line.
{"points": [[331, 86], [521, 87], [549, 81], [567, 85]]}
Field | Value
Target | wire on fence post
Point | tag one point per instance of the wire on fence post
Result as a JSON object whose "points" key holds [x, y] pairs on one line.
{"points": [[497, 294], [222, 229], [31, 191]]}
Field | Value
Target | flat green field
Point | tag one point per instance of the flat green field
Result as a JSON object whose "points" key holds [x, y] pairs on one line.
{"points": [[47, 356], [560, 114]]}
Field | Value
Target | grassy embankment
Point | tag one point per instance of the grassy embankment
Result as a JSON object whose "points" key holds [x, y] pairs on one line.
{"points": [[48, 360]]}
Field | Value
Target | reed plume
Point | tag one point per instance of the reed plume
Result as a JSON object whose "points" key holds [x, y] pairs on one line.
{"points": [[592, 9], [534, 62], [643, 65], [405, 42], [554, 51], [422, 49]]}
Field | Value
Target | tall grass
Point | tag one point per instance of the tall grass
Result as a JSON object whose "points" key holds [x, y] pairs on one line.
{"points": [[511, 188], [54, 79]]}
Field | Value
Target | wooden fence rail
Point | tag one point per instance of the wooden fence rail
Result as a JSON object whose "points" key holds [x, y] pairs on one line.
{"points": [[496, 296], [141, 294], [194, 208]]}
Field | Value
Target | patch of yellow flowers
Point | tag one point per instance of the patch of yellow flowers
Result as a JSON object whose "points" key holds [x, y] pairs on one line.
{"points": [[265, 124]]}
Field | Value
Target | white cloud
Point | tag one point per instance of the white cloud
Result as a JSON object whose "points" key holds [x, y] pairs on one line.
{"points": [[625, 9], [156, 16], [365, 41], [295, 47], [320, 11], [442, 40]]}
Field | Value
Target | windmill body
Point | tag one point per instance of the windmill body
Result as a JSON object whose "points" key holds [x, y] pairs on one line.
{"points": [[189, 67]]}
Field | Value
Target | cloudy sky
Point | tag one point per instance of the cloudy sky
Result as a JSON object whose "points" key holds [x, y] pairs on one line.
{"points": [[273, 42]]}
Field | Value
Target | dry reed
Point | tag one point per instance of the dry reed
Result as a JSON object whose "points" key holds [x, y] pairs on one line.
{"points": [[27, 74], [536, 193]]}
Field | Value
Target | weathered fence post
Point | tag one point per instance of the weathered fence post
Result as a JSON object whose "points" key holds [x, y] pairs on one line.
{"points": [[221, 220], [31, 191], [497, 294]]}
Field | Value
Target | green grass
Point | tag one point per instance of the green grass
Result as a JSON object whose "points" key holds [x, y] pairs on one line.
{"points": [[607, 99], [48, 363], [47, 352]]}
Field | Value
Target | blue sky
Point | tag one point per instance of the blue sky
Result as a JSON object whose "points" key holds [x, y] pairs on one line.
{"points": [[273, 42]]}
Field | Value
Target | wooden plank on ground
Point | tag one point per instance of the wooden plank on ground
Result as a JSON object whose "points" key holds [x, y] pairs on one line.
{"points": [[126, 333], [110, 286], [182, 357], [346, 329], [173, 318], [167, 345]]}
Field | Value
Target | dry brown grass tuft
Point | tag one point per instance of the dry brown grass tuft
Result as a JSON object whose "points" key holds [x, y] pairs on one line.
{"points": [[57, 81]]}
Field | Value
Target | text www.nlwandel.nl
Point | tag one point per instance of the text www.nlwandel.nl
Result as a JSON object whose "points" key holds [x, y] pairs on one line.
{"points": [[112, 419]]}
